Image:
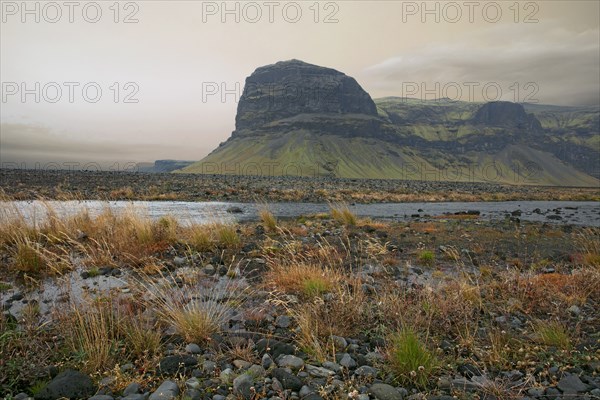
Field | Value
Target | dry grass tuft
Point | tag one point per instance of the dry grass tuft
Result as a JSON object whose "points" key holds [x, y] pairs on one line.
{"points": [[268, 219], [342, 214], [196, 312]]}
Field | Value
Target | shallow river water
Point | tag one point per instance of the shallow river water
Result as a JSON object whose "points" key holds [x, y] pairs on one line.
{"points": [[555, 212]]}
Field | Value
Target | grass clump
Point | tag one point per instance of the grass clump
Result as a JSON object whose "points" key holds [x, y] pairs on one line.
{"points": [[426, 257], [29, 256], [552, 333], [195, 317], [308, 280], [268, 219], [588, 242], [409, 359], [227, 236], [342, 214], [91, 333], [315, 286]]}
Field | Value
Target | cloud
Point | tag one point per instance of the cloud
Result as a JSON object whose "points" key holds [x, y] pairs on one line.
{"points": [[562, 65]]}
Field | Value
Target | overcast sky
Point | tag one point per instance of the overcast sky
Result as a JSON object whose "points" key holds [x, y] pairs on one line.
{"points": [[151, 73]]}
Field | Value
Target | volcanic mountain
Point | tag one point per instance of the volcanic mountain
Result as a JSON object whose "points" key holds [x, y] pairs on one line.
{"points": [[295, 118]]}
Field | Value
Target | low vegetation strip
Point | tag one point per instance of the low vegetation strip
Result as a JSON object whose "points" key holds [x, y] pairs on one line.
{"points": [[325, 306]]}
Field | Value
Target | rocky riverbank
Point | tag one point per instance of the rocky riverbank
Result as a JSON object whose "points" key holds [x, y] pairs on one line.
{"points": [[63, 185], [327, 306]]}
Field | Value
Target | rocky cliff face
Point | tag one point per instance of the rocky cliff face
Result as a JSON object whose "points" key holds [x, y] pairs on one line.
{"points": [[505, 114], [294, 88]]}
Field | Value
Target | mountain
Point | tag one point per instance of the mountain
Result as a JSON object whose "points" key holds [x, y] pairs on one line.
{"points": [[295, 118], [162, 166]]}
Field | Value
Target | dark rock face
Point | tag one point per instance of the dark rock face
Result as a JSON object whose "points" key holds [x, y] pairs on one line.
{"points": [[507, 115], [290, 88], [68, 384]]}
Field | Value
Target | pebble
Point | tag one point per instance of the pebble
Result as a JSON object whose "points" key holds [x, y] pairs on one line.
{"points": [[168, 390], [266, 361], [193, 348], [242, 386], [382, 391], [132, 388], [318, 372], [347, 361], [366, 372], [283, 321], [290, 361]]}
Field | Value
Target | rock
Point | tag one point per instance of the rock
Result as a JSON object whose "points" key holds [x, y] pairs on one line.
{"points": [[136, 396], [70, 384], [318, 372], [347, 361], [465, 384], [256, 371], [366, 372], [241, 364], [283, 321], [574, 310], [132, 388], [192, 383], [172, 365], [339, 342], [274, 347], [209, 269], [536, 391], [193, 348], [242, 386], [266, 361], [227, 376], [21, 396], [374, 357], [168, 390], [382, 391], [192, 394], [209, 367], [288, 381], [335, 367], [571, 384], [235, 209], [127, 367], [312, 396], [305, 391], [179, 261], [290, 361], [468, 370]]}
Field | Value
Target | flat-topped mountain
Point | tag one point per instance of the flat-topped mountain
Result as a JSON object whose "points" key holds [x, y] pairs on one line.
{"points": [[290, 88], [507, 115], [292, 96], [296, 118]]}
